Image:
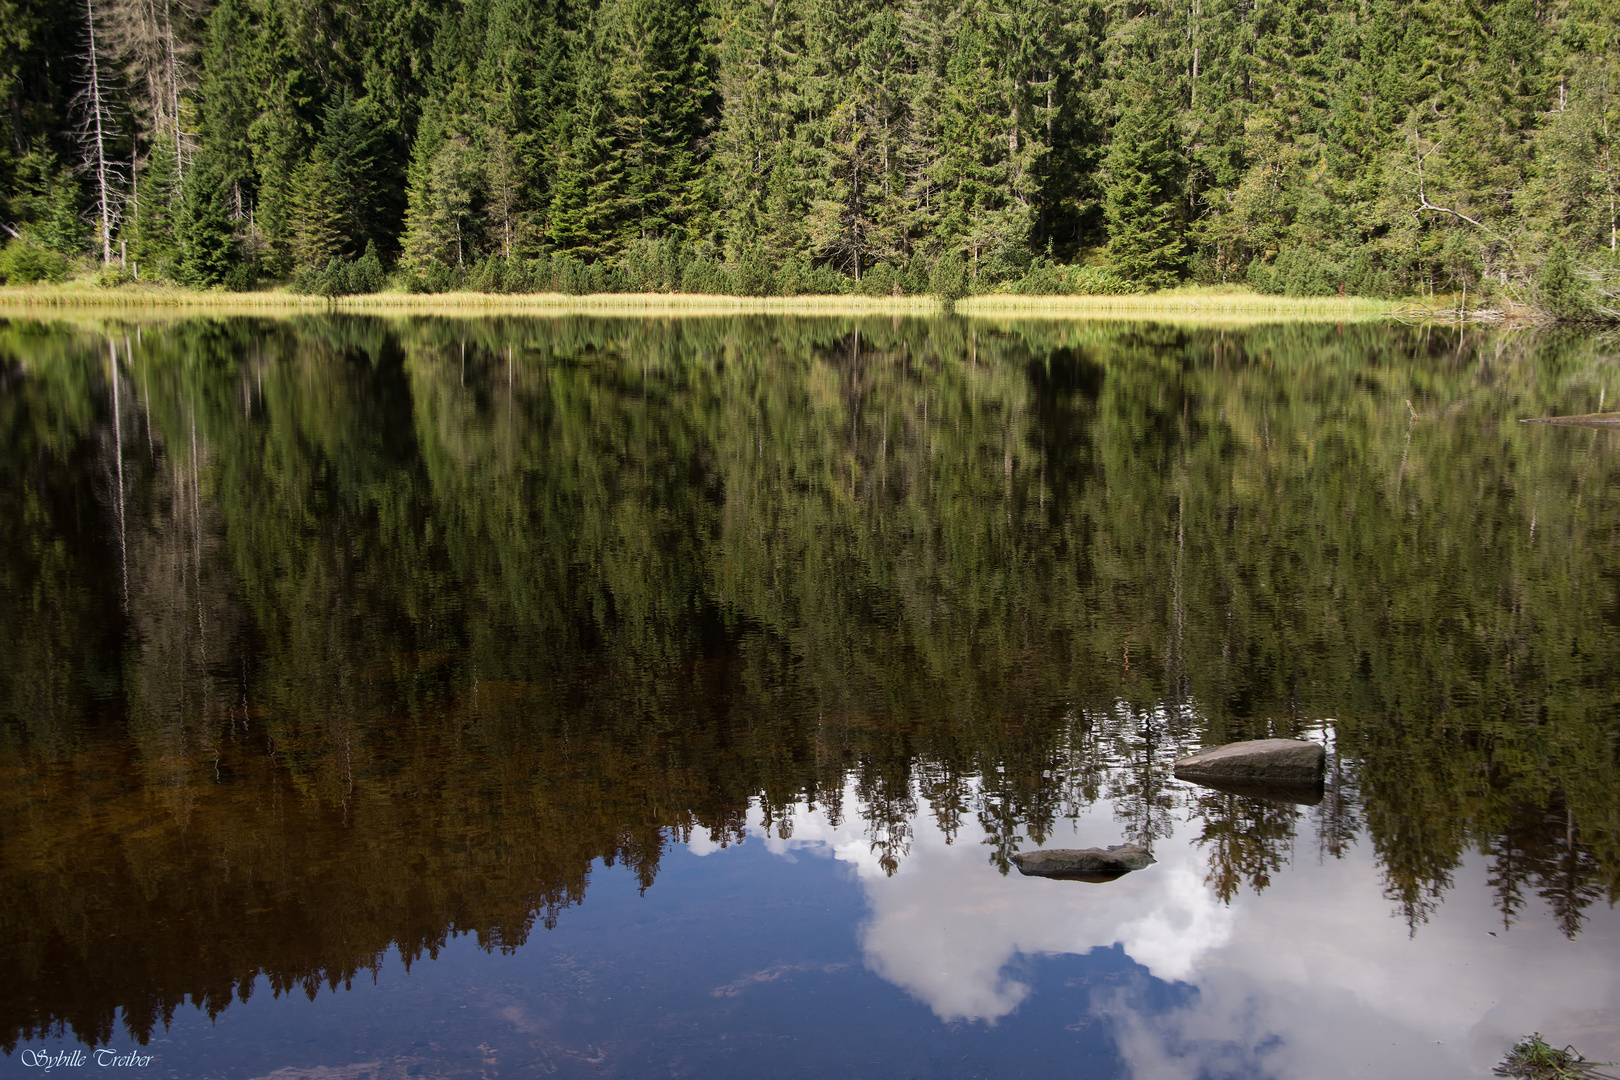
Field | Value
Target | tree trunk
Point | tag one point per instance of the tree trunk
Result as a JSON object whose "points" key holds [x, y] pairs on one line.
{"points": [[97, 113]]}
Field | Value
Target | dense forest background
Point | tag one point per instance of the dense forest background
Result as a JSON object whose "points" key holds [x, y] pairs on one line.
{"points": [[1310, 147]]}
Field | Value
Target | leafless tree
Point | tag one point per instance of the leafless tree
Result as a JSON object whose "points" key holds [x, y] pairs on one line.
{"points": [[157, 58], [94, 104]]}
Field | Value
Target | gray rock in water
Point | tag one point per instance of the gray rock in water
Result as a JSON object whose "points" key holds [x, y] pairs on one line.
{"points": [[1258, 761], [1083, 864]]}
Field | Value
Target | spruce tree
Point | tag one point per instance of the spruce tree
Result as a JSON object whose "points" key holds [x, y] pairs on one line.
{"points": [[316, 219], [660, 89], [203, 226], [1146, 233], [351, 142], [156, 247]]}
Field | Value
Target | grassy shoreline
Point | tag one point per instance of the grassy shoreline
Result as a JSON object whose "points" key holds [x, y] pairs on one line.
{"points": [[1181, 305]]}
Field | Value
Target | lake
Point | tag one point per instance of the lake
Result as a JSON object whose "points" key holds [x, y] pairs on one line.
{"points": [[395, 697]]}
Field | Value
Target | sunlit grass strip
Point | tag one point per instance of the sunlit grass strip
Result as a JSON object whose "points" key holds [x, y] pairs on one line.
{"points": [[1178, 306], [618, 305], [139, 297], [636, 304], [1225, 306]]}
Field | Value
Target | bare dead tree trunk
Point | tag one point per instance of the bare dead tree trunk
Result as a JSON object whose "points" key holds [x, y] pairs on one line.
{"points": [[174, 96], [97, 116]]}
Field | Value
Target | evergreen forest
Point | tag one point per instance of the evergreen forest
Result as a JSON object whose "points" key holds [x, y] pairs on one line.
{"points": [[778, 147]]}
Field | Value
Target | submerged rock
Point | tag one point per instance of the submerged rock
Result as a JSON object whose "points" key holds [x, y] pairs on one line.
{"points": [[1587, 420], [1084, 864], [1279, 793], [1291, 762]]}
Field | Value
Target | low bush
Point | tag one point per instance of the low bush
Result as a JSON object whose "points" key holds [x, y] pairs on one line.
{"points": [[1560, 291], [1046, 278], [25, 263], [112, 275], [881, 280], [948, 278]]}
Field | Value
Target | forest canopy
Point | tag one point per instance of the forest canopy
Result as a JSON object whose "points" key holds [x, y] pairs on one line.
{"points": [[1308, 147]]}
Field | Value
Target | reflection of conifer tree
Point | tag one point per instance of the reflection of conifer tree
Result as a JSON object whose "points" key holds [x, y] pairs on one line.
{"points": [[1337, 819], [1539, 847], [1141, 786], [888, 805], [1248, 840], [948, 793], [1568, 885]]}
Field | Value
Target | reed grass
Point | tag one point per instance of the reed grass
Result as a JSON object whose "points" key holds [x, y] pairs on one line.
{"points": [[34, 299], [15, 298], [637, 304], [1180, 305], [1192, 305]]}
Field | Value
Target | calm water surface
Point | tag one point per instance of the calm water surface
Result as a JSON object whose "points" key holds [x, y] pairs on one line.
{"points": [[420, 697]]}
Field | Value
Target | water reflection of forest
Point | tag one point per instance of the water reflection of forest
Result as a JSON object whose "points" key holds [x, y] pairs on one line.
{"points": [[327, 636]]}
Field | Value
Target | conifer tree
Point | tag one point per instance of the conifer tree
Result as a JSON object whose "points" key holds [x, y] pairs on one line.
{"points": [[229, 99], [282, 132], [316, 220], [352, 136], [660, 89], [156, 249], [758, 112], [45, 203], [1146, 234], [203, 226]]}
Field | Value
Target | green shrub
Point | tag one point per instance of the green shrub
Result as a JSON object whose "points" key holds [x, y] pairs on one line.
{"points": [[1096, 281], [366, 274], [706, 277], [1308, 272], [26, 263], [753, 274], [113, 275], [334, 280], [653, 265], [1045, 278], [1559, 291], [241, 277], [825, 281], [488, 276], [949, 278], [914, 276], [880, 280]]}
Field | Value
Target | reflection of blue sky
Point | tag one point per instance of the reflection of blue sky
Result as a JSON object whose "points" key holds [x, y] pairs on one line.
{"points": [[801, 958], [1317, 976]]}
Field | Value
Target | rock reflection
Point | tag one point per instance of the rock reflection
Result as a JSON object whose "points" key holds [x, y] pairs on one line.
{"points": [[327, 636]]}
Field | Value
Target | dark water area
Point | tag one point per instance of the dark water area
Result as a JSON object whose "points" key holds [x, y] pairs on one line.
{"points": [[506, 697]]}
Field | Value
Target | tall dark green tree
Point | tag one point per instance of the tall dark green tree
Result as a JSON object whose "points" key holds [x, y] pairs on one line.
{"points": [[1146, 228]]}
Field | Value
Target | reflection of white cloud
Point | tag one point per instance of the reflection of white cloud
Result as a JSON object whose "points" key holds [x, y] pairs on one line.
{"points": [[702, 843], [1320, 962], [1314, 977], [947, 924]]}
